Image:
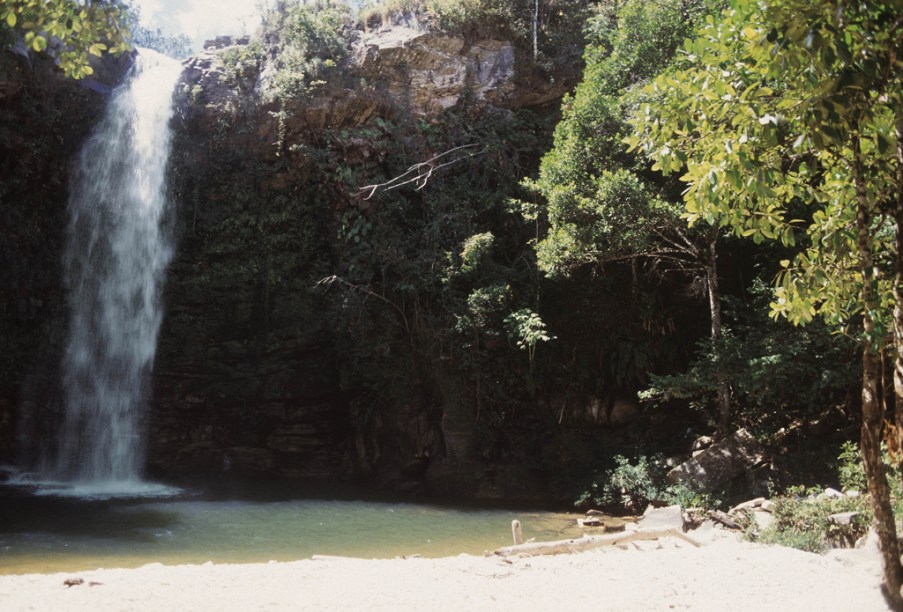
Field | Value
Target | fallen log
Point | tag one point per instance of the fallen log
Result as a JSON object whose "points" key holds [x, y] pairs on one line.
{"points": [[588, 542]]}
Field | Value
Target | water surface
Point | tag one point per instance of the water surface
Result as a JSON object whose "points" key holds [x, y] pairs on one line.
{"points": [[53, 534]]}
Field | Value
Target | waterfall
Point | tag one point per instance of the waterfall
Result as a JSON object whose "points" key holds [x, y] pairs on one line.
{"points": [[118, 248]]}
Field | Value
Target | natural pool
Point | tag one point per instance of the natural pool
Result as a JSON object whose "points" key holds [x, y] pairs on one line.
{"points": [[54, 534]]}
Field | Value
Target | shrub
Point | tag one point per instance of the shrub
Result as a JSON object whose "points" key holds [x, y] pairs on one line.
{"points": [[801, 521], [632, 486]]}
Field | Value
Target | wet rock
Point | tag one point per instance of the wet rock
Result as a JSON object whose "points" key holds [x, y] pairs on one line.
{"points": [[250, 460]]}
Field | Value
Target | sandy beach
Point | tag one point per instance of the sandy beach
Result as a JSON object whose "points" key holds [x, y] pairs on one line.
{"points": [[724, 573]]}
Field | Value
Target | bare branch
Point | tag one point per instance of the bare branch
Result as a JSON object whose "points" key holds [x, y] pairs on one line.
{"points": [[422, 171], [332, 280]]}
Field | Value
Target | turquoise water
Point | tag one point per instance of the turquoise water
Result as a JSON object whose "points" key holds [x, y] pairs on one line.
{"points": [[49, 534]]}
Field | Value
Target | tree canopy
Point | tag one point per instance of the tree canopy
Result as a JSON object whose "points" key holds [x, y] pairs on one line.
{"points": [[70, 30], [785, 118]]}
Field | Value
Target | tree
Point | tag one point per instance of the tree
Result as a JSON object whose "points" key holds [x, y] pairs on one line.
{"points": [[177, 46], [603, 206], [785, 120], [69, 30]]}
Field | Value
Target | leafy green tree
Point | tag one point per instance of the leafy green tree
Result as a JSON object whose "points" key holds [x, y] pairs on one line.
{"points": [[785, 119], [603, 206], [70, 30]]}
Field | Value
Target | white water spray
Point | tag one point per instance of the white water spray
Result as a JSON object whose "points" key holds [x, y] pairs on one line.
{"points": [[116, 258]]}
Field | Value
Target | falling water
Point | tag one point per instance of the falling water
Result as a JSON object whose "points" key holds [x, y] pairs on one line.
{"points": [[116, 257]]}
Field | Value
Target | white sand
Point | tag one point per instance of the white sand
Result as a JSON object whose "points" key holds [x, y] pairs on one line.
{"points": [[723, 575]]}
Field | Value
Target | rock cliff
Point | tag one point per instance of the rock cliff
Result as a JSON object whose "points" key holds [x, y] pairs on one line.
{"points": [[254, 372]]}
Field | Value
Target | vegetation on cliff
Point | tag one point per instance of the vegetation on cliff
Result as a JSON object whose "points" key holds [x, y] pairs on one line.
{"points": [[435, 298]]}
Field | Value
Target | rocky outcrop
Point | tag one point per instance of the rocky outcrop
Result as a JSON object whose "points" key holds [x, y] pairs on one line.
{"points": [[432, 71], [720, 462]]}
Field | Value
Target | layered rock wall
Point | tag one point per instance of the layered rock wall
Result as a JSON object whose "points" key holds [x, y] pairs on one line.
{"points": [[251, 375]]}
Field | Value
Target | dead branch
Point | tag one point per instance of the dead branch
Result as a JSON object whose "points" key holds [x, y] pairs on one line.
{"points": [[420, 173], [331, 280]]}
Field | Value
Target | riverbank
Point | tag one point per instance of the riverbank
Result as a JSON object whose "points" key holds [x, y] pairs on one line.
{"points": [[723, 574]]}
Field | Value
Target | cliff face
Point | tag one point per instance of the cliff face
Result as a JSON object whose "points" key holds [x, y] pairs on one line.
{"points": [[263, 367]]}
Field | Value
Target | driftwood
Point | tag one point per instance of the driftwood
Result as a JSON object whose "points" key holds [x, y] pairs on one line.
{"points": [[724, 519], [588, 542], [332, 558]]}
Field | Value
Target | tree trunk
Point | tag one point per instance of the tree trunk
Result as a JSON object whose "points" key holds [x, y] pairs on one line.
{"points": [[872, 410], [898, 292], [724, 392]]}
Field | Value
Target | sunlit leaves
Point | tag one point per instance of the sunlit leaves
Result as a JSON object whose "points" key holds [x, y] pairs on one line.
{"points": [[814, 81], [600, 202], [69, 30]]}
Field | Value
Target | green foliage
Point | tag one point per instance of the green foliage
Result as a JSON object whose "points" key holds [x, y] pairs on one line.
{"points": [[601, 205], [436, 271], [526, 328], [311, 37], [239, 60], [801, 521], [633, 485], [628, 485], [778, 373], [475, 250], [801, 515], [633, 41], [178, 46], [485, 307], [851, 473], [70, 30], [780, 104]]}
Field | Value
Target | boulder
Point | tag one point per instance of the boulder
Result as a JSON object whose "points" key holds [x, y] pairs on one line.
{"points": [[843, 518], [701, 443], [719, 463], [763, 520], [658, 519]]}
